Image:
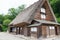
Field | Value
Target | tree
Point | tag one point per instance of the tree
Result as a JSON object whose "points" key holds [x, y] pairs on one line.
{"points": [[13, 12], [56, 5], [6, 22], [1, 18], [7, 17], [20, 8], [56, 8]]}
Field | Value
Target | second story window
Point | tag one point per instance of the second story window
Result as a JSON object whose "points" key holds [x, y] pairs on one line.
{"points": [[43, 13], [43, 10], [43, 16]]}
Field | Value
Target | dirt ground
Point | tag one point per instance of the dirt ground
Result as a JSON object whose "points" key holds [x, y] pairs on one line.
{"points": [[7, 36]]}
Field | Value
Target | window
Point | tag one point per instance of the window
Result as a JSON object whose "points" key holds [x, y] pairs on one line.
{"points": [[43, 16], [43, 13], [43, 10], [51, 27], [33, 29], [13, 29]]}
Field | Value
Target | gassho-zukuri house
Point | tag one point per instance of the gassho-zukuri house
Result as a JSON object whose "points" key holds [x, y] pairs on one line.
{"points": [[38, 20]]}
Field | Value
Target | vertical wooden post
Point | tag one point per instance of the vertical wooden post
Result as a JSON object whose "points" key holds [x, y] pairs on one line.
{"points": [[19, 30], [44, 31], [57, 30], [39, 31], [28, 31], [23, 31]]}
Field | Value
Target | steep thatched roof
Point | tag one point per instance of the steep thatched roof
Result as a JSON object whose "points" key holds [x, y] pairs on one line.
{"points": [[27, 15]]}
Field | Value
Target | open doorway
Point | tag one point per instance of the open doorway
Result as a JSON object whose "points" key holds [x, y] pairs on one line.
{"points": [[56, 30]]}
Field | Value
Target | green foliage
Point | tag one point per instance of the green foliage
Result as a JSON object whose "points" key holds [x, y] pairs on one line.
{"points": [[6, 22], [58, 19], [6, 19], [13, 12], [20, 8], [56, 8], [1, 18], [4, 28]]}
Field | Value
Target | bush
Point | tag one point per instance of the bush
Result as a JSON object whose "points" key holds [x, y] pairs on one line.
{"points": [[4, 28]]}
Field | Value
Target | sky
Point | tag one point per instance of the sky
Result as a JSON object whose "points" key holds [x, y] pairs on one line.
{"points": [[6, 4]]}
